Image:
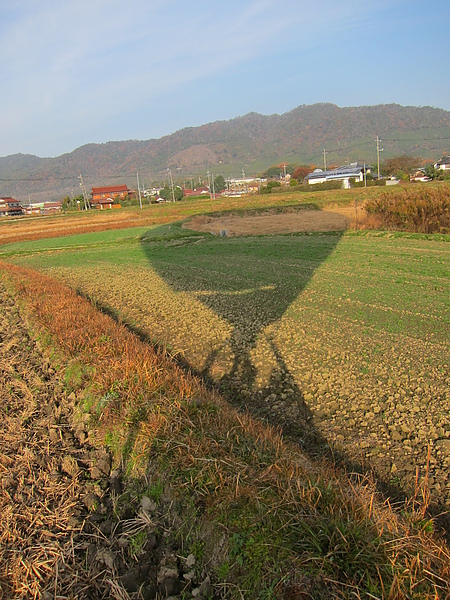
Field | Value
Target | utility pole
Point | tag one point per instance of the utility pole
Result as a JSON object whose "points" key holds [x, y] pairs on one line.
{"points": [[213, 186], [209, 182], [325, 159], [139, 190], [171, 183], [83, 189], [378, 155]]}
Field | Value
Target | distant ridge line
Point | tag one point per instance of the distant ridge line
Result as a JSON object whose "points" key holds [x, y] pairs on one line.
{"points": [[253, 142]]}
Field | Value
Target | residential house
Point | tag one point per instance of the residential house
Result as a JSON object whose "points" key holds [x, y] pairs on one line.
{"points": [[51, 207], [199, 191], [106, 203], [353, 171], [10, 207], [106, 197], [443, 164], [243, 185], [43, 208], [154, 191], [34, 209], [419, 176]]}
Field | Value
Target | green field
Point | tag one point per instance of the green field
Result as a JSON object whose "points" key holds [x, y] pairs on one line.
{"points": [[339, 338]]}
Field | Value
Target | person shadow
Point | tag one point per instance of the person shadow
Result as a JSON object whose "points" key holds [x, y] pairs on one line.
{"points": [[250, 284]]}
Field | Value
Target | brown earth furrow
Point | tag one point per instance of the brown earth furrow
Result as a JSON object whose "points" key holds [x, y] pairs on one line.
{"points": [[41, 506], [60, 532]]}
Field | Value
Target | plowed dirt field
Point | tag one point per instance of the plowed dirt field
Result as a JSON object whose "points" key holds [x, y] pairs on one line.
{"points": [[272, 223]]}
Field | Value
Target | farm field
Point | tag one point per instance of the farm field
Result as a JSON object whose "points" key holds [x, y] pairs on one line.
{"points": [[72, 223], [341, 339], [189, 497]]}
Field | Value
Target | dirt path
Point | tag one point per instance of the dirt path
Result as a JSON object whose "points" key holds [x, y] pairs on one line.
{"points": [[273, 223]]}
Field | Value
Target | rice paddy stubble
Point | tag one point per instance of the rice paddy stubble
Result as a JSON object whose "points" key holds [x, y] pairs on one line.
{"points": [[363, 333], [273, 504]]}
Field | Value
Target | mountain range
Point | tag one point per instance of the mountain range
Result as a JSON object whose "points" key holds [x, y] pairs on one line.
{"points": [[250, 143]]}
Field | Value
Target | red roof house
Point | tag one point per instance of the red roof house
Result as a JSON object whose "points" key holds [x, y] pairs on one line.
{"points": [[108, 193], [195, 192], [10, 207]]}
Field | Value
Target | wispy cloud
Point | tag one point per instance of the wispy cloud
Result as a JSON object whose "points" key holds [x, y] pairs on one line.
{"points": [[80, 65]]}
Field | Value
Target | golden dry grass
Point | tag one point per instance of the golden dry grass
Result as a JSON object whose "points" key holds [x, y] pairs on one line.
{"points": [[421, 209], [39, 527]]}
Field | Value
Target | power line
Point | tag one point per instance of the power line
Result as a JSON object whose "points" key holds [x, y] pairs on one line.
{"points": [[386, 140], [351, 147], [31, 179], [417, 139], [71, 177]]}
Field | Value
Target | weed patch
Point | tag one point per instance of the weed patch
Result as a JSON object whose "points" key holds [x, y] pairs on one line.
{"points": [[420, 209]]}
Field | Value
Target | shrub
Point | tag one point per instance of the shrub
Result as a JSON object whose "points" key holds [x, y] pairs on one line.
{"points": [[267, 189], [328, 185], [419, 209], [302, 171], [370, 183]]}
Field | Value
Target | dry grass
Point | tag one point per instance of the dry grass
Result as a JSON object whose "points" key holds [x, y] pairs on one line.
{"points": [[39, 525], [286, 222], [292, 526], [35, 228], [421, 209]]}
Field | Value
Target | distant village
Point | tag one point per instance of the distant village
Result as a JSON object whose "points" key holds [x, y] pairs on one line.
{"points": [[114, 196]]}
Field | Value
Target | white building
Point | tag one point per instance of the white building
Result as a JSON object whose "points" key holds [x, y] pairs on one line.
{"points": [[352, 171], [443, 164], [243, 185]]}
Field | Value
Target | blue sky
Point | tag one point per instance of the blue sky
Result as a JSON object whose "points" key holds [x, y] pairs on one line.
{"points": [[81, 71]]}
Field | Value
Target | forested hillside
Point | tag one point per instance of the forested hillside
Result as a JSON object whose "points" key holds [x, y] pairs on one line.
{"points": [[252, 142]]}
